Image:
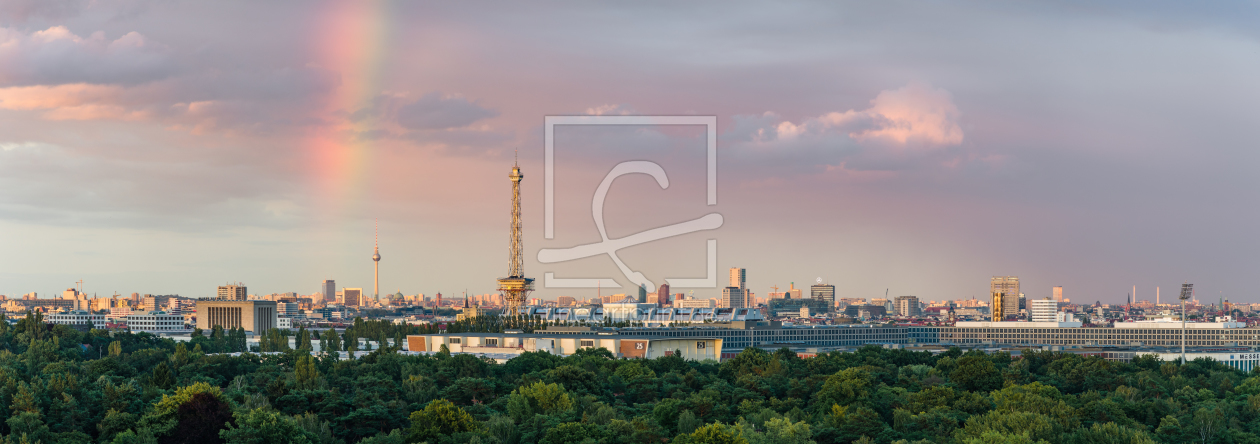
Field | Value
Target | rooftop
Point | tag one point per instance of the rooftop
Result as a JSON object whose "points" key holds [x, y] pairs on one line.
{"points": [[1006, 324], [1169, 322]]}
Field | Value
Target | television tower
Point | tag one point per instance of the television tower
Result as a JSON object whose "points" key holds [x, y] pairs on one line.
{"points": [[516, 286], [376, 264]]}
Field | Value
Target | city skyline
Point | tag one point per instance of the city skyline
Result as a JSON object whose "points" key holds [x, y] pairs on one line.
{"points": [[187, 158]]}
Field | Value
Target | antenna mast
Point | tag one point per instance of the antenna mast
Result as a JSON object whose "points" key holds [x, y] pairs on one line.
{"points": [[516, 287]]}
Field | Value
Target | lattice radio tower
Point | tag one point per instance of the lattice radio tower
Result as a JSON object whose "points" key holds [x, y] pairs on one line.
{"points": [[516, 286]]}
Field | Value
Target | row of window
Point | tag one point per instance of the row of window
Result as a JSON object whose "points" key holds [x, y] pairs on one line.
{"points": [[1078, 342], [1057, 335], [494, 342], [1249, 332]]}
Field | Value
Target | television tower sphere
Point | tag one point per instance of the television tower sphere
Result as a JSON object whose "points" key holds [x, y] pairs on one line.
{"points": [[376, 256]]}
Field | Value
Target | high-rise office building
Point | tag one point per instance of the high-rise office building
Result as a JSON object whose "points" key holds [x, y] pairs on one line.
{"points": [[233, 292], [823, 292], [1056, 294], [662, 296], [330, 290], [733, 297], [642, 293], [739, 278], [1043, 310], [352, 297], [907, 305], [1005, 293]]}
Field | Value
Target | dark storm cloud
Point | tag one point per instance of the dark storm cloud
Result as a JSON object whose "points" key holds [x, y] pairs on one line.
{"points": [[134, 78], [57, 56]]}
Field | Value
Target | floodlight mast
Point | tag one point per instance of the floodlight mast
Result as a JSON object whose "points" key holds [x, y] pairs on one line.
{"points": [[1187, 290]]}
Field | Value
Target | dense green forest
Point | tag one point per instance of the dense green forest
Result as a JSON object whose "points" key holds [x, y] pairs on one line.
{"points": [[62, 385]]}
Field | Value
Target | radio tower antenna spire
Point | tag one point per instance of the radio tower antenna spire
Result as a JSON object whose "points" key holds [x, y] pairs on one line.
{"points": [[516, 287]]}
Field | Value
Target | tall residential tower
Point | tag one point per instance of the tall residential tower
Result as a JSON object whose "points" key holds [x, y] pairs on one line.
{"points": [[739, 277], [233, 292], [330, 290], [736, 295]]}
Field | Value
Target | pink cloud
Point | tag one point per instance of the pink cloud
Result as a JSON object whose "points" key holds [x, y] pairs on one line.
{"points": [[68, 102], [610, 110], [913, 116]]}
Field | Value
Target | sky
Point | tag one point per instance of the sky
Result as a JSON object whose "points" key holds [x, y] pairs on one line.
{"points": [[891, 148]]}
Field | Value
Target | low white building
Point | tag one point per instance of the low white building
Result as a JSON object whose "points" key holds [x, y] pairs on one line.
{"points": [[156, 322], [119, 313], [694, 303], [648, 315], [284, 322], [1245, 361], [77, 317], [1173, 323], [567, 341]]}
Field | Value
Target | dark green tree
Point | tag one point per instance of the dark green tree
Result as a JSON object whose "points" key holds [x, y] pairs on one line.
{"points": [[262, 426], [162, 376], [976, 373], [439, 418]]}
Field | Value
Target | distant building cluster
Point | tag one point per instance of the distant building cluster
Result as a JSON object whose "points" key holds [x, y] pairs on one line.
{"points": [[655, 322], [820, 316], [824, 305]]}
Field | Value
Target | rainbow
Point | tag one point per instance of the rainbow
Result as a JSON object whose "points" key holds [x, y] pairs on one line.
{"points": [[349, 38]]}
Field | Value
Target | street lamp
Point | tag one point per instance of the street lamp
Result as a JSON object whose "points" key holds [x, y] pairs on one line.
{"points": [[1187, 290]]}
